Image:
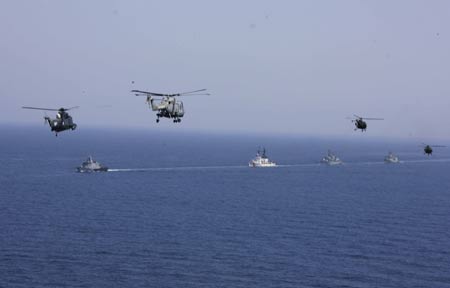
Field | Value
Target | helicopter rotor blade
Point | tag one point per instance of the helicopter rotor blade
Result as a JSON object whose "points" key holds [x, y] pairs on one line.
{"points": [[146, 93], [372, 118], [189, 92], [438, 146], [74, 107], [36, 108], [195, 94]]}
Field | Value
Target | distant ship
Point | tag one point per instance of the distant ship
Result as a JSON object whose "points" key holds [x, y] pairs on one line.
{"points": [[90, 165], [261, 160], [391, 158], [331, 159]]}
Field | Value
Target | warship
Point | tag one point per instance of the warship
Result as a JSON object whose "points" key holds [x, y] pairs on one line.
{"points": [[391, 158], [331, 159], [90, 165], [261, 160]]}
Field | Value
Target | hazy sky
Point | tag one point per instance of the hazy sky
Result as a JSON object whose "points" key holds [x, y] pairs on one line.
{"points": [[296, 67]]}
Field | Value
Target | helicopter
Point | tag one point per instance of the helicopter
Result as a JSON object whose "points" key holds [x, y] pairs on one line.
{"points": [[168, 106], [62, 122], [360, 123], [428, 149]]}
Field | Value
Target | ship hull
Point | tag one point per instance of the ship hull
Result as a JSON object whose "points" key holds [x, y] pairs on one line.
{"points": [[332, 163], [257, 165], [86, 170]]}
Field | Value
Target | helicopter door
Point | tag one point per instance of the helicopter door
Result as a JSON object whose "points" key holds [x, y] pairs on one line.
{"points": [[181, 109]]}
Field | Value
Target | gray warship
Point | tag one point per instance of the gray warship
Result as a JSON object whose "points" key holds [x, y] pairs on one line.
{"points": [[90, 165], [261, 160], [391, 158], [331, 159]]}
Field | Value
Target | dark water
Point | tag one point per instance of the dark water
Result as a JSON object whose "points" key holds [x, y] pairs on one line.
{"points": [[364, 224]]}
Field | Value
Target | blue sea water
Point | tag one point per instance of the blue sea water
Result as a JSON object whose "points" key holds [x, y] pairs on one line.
{"points": [[183, 210]]}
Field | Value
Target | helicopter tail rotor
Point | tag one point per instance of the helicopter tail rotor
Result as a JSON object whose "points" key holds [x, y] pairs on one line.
{"points": [[47, 120], [149, 99]]}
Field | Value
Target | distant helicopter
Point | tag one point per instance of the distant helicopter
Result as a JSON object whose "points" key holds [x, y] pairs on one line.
{"points": [[428, 149], [360, 123], [62, 122], [168, 106]]}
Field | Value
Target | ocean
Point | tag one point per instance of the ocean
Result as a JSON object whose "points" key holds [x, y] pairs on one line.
{"points": [[184, 210]]}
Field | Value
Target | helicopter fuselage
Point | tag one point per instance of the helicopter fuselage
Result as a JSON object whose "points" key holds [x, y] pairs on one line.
{"points": [[360, 124], [428, 150], [62, 122], [168, 108]]}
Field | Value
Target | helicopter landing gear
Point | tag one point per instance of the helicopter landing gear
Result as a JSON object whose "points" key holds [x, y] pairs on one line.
{"points": [[178, 120], [157, 120]]}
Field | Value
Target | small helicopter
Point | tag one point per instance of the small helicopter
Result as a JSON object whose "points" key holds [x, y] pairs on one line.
{"points": [[360, 123], [62, 122], [168, 106], [428, 149]]}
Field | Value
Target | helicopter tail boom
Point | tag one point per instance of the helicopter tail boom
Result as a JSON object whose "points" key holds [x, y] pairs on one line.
{"points": [[48, 121], [152, 105]]}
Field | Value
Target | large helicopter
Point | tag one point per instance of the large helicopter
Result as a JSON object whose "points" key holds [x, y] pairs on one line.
{"points": [[360, 123], [168, 107], [62, 122], [428, 149]]}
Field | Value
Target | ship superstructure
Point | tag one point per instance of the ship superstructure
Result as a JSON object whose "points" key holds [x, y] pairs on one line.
{"points": [[331, 159], [261, 160], [90, 165], [391, 158]]}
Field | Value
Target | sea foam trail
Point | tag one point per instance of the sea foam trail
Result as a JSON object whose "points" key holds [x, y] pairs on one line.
{"points": [[428, 160], [278, 166], [174, 168], [204, 167]]}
